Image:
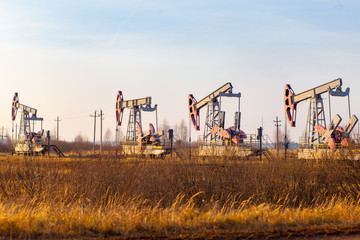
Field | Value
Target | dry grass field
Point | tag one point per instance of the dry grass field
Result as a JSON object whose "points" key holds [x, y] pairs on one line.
{"points": [[187, 198]]}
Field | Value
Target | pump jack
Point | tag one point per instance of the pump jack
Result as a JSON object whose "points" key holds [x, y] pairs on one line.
{"points": [[316, 132], [148, 142], [217, 140], [29, 142]]}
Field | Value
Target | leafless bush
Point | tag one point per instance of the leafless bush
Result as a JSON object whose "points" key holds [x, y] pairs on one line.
{"points": [[5, 146], [75, 147]]}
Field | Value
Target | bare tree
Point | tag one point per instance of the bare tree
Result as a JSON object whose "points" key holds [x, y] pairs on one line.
{"points": [[108, 136], [79, 138], [181, 132], [118, 135], [165, 125], [53, 133], [81, 143], [281, 137]]}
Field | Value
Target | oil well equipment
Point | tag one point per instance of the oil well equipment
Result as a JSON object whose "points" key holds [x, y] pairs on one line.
{"points": [[30, 142], [320, 138], [138, 142], [218, 140]]}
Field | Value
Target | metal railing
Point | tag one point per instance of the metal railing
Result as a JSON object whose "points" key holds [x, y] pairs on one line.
{"points": [[161, 144], [250, 142], [305, 144]]}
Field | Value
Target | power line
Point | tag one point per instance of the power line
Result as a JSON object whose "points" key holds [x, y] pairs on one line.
{"points": [[101, 120], [76, 117]]}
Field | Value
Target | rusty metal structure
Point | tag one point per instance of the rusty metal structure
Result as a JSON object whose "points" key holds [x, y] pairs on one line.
{"points": [[137, 141], [318, 135]]}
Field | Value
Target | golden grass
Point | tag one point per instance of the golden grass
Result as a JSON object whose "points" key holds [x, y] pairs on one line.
{"points": [[134, 219], [44, 197]]}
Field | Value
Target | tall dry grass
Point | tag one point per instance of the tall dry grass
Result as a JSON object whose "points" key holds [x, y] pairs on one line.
{"points": [[141, 197], [133, 218]]}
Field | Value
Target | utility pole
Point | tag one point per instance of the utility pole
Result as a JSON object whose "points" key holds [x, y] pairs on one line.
{"points": [[94, 116], [101, 118], [57, 127], [277, 125]]}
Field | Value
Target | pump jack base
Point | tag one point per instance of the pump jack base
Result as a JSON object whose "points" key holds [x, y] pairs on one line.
{"points": [[152, 151], [327, 153], [227, 151]]}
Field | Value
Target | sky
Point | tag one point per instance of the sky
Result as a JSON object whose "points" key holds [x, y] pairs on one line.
{"points": [[70, 58]]}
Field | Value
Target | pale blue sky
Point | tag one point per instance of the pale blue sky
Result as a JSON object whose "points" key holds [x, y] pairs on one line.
{"points": [[68, 58]]}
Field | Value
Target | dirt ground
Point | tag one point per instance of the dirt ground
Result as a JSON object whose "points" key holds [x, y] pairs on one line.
{"points": [[315, 233]]}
